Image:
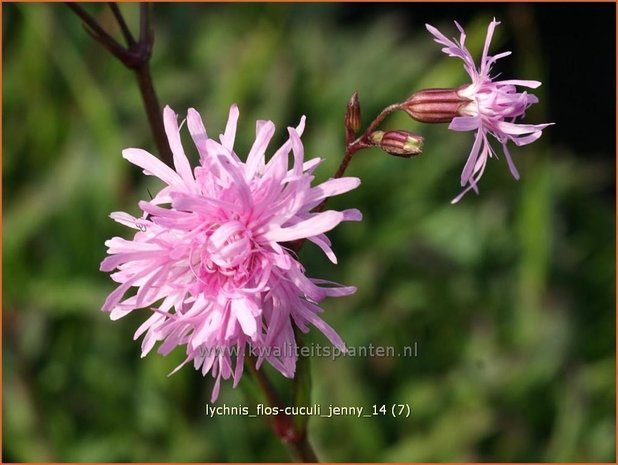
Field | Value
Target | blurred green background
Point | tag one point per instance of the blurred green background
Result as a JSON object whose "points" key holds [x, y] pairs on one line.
{"points": [[508, 295]]}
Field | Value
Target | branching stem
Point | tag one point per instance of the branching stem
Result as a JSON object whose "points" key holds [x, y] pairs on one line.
{"points": [[136, 57]]}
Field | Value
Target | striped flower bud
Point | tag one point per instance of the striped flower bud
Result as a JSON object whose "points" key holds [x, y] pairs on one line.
{"points": [[435, 105], [399, 143]]}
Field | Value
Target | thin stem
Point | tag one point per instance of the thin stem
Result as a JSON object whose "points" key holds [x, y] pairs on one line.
{"points": [[283, 425], [378, 119], [304, 451], [123, 24], [301, 447], [97, 32], [153, 111], [347, 157], [357, 145], [360, 143], [269, 391], [146, 87], [146, 31], [137, 58]]}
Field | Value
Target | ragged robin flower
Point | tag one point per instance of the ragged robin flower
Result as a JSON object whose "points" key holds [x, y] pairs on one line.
{"points": [[209, 263], [488, 106]]}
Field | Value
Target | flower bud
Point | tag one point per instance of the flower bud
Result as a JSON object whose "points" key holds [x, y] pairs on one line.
{"points": [[435, 105], [352, 114], [399, 143]]}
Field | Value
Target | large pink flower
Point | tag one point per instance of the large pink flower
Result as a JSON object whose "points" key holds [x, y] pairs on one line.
{"points": [[493, 107], [209, 261]]}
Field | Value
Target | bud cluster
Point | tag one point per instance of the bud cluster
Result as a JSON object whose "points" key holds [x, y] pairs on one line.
{"points": [[425, 106]]}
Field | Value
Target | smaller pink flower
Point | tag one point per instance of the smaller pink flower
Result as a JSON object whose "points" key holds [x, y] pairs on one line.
{"points": [[492, 107]]}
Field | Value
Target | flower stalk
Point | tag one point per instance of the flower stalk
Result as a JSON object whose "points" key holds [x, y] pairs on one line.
{"points": [[362, 142], [285, 427]]}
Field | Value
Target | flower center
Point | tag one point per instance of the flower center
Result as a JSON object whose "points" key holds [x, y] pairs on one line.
{"points": [[228, 246], [225, 260], [493, 102], [478, 101]]}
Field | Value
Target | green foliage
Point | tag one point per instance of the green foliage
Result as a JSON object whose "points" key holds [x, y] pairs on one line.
{"points": [[509, 296]]}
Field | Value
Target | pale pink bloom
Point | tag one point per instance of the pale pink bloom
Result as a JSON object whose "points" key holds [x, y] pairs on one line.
{"points": [[209, 261], [493, 107]]}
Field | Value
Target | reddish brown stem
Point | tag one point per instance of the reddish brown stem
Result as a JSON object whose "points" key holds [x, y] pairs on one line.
{"points": [[136, 56], [360, 143], [357, 145], [153, 110], [283, 425]]}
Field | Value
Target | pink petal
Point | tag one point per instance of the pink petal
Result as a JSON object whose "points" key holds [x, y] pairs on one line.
{"points": [[324, 328], [317, 224], [525, 140], [516, 129], [173, 136], [465, 123], [323, 243], [197, 131], [153, 166], [227, 139], [352, 214], [215, 390], [240, 363], [255, 159], [331, 188], [129, 220], [521, 82], [490, 33], [509, 161], [245, 317], [471, 162], [297, 150], [301, 126]]}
